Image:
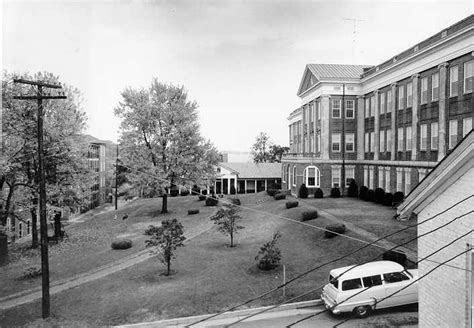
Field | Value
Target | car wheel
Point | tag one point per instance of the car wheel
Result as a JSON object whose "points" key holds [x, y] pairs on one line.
{"points": [[362, 311]]}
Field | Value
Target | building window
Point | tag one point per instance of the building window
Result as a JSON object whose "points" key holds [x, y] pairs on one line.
{"points": [[381, 170], [367, 107], [350, 174], [382, 141], [453, 81], [20, 229], [424, 90], [372, 106], [389, 140], [409, 95], [28, 227], [350, 108], [318, 111], [382, 103], [466, 126], [434, 135], [401, 96], [399, 180], [468, 76], [453, 133], [408, 133], [389, 101], [349, 142], [366, 176], [293, 177], [423, 137], [319, 143], [372, 141], [366, 142], [407, 182], [312, 176], [421, 174], [371, 177], [336, 142], [387, 179], [435, 87], [336, 176], [400, 139], [336, 108]]}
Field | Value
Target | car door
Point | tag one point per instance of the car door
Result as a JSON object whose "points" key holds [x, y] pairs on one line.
{"points": [[394, 282]]}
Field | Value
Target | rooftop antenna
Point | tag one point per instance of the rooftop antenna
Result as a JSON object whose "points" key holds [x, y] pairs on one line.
{"points": [[354, 29]]}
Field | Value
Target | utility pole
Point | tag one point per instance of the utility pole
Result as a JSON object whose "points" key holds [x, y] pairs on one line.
{"points": [[354, 21], [116, 178], [343, 141], [42, 184]]}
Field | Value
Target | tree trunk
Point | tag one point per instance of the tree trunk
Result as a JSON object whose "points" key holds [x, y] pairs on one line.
{"points": [[168, 263], [34, 228], [164, 207], [57, 226], [231, 239]]}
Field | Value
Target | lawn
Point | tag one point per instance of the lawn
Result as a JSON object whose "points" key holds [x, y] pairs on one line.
{"points": [[210, 275]]}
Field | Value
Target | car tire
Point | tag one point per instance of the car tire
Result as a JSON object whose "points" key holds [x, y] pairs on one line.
{"points": [[362, 311]]}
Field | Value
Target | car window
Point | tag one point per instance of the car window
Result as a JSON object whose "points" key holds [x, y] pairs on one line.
{"points": [[395, 277], [333, 281], [351, 284], [372, 281]]}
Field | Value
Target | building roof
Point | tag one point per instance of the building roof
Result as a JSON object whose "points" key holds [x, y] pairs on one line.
{"points": [[452, 167], [336, 71], [255, 170]]}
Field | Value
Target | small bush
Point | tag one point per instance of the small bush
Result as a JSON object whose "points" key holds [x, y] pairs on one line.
{"points": [[212, 200], [193, 211], [318, 193], [379, 195], [121, 244], [272, 192], [279, 196], [195, 190], [232, 190], [201, 197], [309, 215], [388, 199], [335, 192], [398, 197], [174, 192], [370, 195], [32, 272], [363, 191], [235, 201], [395, 256], [185, 192], [338, 228], [204, 192], [291, 204], [353, 191], [269, 255], [303, 193]]}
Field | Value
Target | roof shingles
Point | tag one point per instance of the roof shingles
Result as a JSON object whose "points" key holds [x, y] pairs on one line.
{"points": [[255, 170]]}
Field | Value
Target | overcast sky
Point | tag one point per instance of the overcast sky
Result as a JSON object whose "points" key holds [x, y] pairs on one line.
{"points": [[242, 61]]}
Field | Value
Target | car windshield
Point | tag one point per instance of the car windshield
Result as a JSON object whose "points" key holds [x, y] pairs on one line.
{"points": [[333, 281]]}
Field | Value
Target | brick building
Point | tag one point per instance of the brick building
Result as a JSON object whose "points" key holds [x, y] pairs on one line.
{"points": [[96, 159], [445, 295], [400, 117]]}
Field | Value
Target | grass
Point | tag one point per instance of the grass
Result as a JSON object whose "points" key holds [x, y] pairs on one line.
{"points": [[210, 275]]}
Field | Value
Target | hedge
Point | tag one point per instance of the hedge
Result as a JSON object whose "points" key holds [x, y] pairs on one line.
{"points": [[363, 192], [379, 195], [303, 193], [398, 197], [201, 197], [235, 201], [388, 199], [291, 204], [370, 195], [335, 192], [184, 192], [309, 215], [212, 200], [353, 191], [279, 196], [193, 211], [338, 228], [318, 193], [121, 244], [272, 192]]}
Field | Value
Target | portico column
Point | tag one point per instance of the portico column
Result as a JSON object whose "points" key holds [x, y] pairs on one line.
{"points": [[228, 186], [393, 126], [245, 186], [376, 126], [442, 111], [360, 127], [414, 117], [325, 126], [265, 184], [304, 127], [255, 186]]}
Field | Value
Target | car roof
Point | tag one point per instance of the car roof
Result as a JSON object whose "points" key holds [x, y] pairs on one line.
{"points": [[367, 269]]}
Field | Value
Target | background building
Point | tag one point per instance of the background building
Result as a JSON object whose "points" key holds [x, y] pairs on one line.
{"points": [[96, 158], [400, 117]]}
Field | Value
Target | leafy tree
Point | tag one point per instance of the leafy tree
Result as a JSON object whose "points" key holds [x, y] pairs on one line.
{"points": [[165, 240], [160, 140], [269, 255], [227, 221], [277, 152], [261, 148]]}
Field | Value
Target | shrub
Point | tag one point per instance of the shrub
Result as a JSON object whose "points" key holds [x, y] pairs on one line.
{"points": [[309, 215], [272, 192], [121, 244], [291, 204], [269, 255], [335, 192], [303, 193], [195, 190], [318, 193], [379, 195], [174, 191], [32, 272], [279, 196], [398, 197], [352, 191], [363, 192], [235, 201], [232, 190], [212, 200], [338, 228], [201, 197], [204, 192], [388, 199], [193, 211], [185, 192], [371, 195], [395, 256]]}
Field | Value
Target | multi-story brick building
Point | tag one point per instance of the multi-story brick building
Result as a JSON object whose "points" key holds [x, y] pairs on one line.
{"points": [[96, 158], [391, 123]]}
